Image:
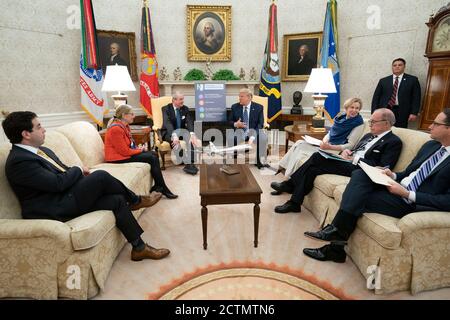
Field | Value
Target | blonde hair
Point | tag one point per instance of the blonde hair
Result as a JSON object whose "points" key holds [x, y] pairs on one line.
{"points": [[246, 91], [120, 111], [351, 101]]}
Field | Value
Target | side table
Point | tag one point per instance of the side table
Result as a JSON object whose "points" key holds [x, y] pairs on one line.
{"points": [[295, 132]]}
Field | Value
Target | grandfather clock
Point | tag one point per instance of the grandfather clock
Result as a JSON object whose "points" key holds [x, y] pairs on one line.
{"points": [[437, 93]]}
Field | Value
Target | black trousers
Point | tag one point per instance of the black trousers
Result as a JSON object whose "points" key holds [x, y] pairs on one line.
{"points": [[401, 117], [303, 178], [101, 191], [180, 152], [151, 158], [362, 195]]}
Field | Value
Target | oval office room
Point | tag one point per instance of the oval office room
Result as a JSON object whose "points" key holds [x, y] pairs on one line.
{"points": [[225, 150]]}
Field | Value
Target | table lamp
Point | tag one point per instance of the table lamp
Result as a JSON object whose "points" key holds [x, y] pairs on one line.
{"points": [[118, 79], [320, 81]]}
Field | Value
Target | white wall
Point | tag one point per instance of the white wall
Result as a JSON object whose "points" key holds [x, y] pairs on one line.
{"points": [[39, 54]]}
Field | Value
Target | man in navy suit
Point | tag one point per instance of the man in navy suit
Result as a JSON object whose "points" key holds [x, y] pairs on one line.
{"points": [[48, 189], [399, 92], [176, 120], [247, 119], [423, 186], [380, 147]]}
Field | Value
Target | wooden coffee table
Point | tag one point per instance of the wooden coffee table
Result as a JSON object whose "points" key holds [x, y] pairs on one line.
{"points": [[217, 187]]}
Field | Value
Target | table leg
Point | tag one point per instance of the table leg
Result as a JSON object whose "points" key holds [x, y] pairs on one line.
{"points": [[256, 223], [286, 146], [205, 226]]}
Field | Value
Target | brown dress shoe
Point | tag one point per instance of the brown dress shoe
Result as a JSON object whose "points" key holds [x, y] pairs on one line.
{"points": [[149, 253], [147, 201]]}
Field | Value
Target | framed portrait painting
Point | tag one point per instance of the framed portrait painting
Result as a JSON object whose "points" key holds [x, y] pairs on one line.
{"points": [[208, 33], [118, 47], [300, 54]]}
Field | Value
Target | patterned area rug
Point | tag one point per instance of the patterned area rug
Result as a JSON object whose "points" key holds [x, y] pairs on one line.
{"points": [[247, 281]]}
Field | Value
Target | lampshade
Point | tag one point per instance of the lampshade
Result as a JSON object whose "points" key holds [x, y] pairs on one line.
{"points": [[117, 78], [320, 81]]}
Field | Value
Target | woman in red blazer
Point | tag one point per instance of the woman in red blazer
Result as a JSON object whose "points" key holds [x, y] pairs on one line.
{"points": [[120, 147]]}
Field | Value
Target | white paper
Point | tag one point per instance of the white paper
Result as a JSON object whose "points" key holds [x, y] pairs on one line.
{"points": [[376, 174], [312, 140]]}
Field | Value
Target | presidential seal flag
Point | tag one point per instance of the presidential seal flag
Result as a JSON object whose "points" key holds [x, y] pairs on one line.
{"points": [[93, 100], [269, 85], [149, 86], [329, 59]]}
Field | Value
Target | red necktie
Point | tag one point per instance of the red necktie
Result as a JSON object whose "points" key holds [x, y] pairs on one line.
{"points": [[394, 94]]}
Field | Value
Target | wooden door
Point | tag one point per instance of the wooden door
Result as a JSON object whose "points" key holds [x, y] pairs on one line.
{"points": [[437, 94]]}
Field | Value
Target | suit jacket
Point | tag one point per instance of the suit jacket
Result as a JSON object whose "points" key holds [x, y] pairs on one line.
{"points": [[42, 189], [117, 60], [303, 67], [170, 121], [256, 116], [409, 95], [385, 152], [433, 193]]}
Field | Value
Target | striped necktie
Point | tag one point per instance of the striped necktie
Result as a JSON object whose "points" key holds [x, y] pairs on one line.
{"points": [[393, 98], [245, 119], [426, 169], [364, 143], [42, 154]]}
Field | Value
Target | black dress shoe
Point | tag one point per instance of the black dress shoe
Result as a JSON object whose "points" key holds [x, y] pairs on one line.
{"points": [[276, 193], [288, 207], [330, 252], [282, 186], [168, 194], [328, 233], [190, 169]]}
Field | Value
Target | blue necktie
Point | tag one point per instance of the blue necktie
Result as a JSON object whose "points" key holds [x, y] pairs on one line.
{"points": [[245, 119], [426, 169], [177, 112]]}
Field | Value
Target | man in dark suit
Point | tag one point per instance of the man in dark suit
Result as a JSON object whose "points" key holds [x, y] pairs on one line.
{"points": [[399, 92], [247, 119], [380, 147], [179, 125], [423, 186], [48, 189], [303, 64]]}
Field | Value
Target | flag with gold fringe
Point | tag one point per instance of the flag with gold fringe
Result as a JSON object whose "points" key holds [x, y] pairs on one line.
{"points": [[329, 59], [93, 100], [270, 85], [149, 86]]}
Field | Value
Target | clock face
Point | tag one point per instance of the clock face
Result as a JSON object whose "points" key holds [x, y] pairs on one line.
{"points": [[441, 41]]}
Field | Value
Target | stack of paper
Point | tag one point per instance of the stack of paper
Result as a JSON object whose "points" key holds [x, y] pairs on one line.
{"points": [[376, 174]]}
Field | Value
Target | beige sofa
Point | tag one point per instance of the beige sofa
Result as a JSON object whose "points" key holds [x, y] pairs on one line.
{"points": [[412, 253], [46, 259]]}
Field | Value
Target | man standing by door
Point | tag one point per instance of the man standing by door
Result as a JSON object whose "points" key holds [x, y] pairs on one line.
{"points": [[399, 92]]}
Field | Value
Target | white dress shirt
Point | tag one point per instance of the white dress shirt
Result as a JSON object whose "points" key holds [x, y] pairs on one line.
{"points": [[361, 153]]}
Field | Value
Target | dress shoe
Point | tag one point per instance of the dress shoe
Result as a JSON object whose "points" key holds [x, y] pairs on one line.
{"points": [[328, 233], [149, 253], [282, 186], [147, 201], [330, 252], [165, 192], [288, 207], [168, 194], [276, 193], [190, 169]]}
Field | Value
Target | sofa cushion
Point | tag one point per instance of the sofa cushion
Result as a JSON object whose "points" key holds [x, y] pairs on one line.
{"points": [[86, 141], [9, 204], [61, 146], [89, 229], [338, 192], [412, 142], [328, 182], [381, 228]]}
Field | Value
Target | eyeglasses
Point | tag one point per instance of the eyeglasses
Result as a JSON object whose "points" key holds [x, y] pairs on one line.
{"points": [[371, 122], [434, 123]]}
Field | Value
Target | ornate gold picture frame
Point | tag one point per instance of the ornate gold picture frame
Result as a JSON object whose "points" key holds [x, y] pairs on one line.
{"points": [[118, 47], [300, 54], [208, 33]]}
